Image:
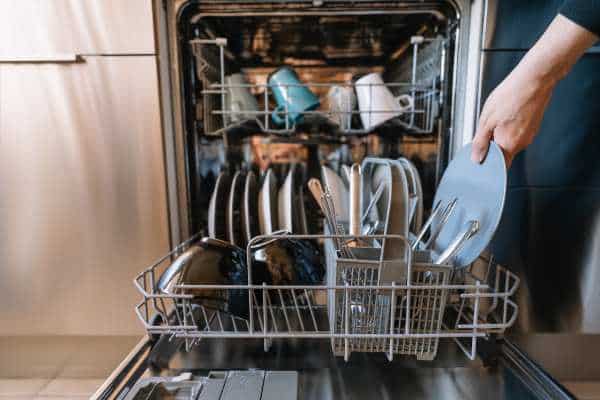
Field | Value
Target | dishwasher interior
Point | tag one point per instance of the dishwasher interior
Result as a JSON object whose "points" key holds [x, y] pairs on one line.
{"points": [[326, 46], [352, 319]]}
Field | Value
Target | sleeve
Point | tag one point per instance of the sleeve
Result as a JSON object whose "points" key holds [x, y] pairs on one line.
{"points": [[585, 13]]}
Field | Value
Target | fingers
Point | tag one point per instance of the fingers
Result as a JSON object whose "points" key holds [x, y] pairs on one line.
{"points": [[506, 138], [481, 141], [508, 157]]}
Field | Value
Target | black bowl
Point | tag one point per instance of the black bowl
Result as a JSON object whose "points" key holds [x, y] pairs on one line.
{"points": [[216, 262]]}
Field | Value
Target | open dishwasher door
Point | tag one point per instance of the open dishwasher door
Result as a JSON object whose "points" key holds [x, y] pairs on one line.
{"points": [[324, 42]]}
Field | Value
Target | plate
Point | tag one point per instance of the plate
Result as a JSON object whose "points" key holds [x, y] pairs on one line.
{"points": [[398, 223], [480, 190], [339, 193], [392, 207], [301, 214], [381, 174], [299, 210], [284, 202], [418, 220], [234, 221], [399, 208], [216, 210], [249, 209], [415, 189], [267, 204]]}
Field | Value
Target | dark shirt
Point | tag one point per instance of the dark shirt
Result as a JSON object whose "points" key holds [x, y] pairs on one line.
{"points": [[585, 13]]}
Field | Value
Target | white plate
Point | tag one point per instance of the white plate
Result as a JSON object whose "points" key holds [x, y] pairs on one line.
{"points": [[234, 223], [250, 227], [392, 207], [216, 208], [339, 193], [267, 204], [285, 202], [380, 174], [399, 208], [415, 189]]}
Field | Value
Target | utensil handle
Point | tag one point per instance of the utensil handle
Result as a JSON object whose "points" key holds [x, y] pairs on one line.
{"points": [[436, 210], [373, 201], [315, 188], [434, 233], [355, 199], [458, 242]]}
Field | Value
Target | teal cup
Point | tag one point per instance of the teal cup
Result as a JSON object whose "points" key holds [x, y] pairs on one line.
{"points": [[291, 95]]}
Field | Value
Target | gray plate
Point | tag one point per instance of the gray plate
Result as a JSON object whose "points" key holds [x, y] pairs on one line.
{"points": [[480, 190], [250, 209], [217, 214], [234, 223], [267, 204], [339, 193]]}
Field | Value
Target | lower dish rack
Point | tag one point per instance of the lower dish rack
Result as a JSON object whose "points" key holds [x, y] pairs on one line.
{"points": [[401, 306]]}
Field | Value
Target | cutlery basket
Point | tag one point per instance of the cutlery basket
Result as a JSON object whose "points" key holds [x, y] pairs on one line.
{"points": [[366, 304], [368, 309], [387, 297]]}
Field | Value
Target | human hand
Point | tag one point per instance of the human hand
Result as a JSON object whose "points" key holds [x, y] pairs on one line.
{"points": [[513, 112], [511, 115]]}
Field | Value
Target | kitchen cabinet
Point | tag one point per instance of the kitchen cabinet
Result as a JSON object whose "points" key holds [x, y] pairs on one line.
{"points": [[83, 201], [44, 28]]}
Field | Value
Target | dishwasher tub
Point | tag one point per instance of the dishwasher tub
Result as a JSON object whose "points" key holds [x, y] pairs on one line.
{"points": [[414, 45]]}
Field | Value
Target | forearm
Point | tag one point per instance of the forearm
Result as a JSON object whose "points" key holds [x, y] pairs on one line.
{"points": [[555, 53], [513, 113]]}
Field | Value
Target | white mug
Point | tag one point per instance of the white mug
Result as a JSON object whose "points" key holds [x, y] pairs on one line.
{"points": [[239, 99], [376, 102], [341, 102]]}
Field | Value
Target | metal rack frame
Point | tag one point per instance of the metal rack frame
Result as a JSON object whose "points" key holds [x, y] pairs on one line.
{"points": [[483, 306], [420, 119]]}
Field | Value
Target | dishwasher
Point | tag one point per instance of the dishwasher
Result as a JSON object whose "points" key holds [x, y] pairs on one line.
{"points": [[436, 333]]}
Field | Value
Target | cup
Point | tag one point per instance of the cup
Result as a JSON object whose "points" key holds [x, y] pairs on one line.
{"points": [[292, 97], [376, 102], [341, 102], [241, 104]]}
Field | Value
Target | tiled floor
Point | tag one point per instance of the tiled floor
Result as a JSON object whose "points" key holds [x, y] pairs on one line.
{"points": [[60, 367]]}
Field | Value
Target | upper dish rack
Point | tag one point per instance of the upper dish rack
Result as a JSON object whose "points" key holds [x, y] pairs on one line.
{"points": [[419, 77], [368, 304]]}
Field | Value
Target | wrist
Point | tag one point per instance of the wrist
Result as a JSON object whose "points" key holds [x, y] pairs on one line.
{"points": [[538, 75]]}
